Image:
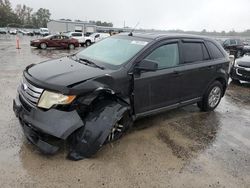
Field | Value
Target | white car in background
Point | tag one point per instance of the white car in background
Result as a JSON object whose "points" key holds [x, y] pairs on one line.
{"points": [[95, 37], [80, 37], [13, 31], [44, 32]]}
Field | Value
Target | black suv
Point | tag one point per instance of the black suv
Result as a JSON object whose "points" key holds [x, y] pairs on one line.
{"points": [[236, 47], [92, 97]]}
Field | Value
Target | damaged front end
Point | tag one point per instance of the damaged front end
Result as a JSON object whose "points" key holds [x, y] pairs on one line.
{"points": [[84, 125], [98, 124]]}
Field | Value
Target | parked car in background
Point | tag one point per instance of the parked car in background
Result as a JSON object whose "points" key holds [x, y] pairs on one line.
{"points": [[80, 37], [235, 47], [95, 37], [44, 32], [26, 32], [3, 31], [60, 41], [92, 97], [13, 31], [241, 69], [36, 31]]}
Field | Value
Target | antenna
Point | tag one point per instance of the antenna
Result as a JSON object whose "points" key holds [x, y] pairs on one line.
{"points": [[131, 32]]}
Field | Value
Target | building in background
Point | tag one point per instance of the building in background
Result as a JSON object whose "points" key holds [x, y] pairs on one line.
{"points": [[56, 26]]}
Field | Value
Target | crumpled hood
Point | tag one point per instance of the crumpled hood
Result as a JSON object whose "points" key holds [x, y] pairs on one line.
{"points": [[244, 61], [64, 72]]}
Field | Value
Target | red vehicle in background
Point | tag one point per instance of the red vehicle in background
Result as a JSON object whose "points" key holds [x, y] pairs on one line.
{"points": [[60, 41]]}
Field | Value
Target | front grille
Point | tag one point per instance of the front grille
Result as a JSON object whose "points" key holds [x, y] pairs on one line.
{"points": [[30, 92], [244, 72]]}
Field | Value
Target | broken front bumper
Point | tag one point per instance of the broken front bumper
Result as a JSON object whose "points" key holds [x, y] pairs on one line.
{"points": [[45, 129]]}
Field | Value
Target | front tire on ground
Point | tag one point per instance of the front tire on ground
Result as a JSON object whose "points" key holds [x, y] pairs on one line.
{"points": [[43, 46], [212, 97], [88, 43], [71, 46]]}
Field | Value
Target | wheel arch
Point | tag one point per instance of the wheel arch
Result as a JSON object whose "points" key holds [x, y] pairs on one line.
{"points": [[223, 81], [88, 139]]}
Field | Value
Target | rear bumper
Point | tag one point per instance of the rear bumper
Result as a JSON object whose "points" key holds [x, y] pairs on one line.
{"points": [[237, 74], [45, 129]]}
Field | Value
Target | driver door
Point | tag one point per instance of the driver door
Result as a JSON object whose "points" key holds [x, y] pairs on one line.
{"points": [[160, 89]]}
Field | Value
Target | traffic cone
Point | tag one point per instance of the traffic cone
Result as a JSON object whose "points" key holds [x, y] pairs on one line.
{"points": [[17, 43]]}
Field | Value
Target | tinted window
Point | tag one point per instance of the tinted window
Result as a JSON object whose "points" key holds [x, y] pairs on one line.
{"points": [[193, 52], [56, 37], [205, 52], [214, 51], [232, 42], [64, 37], [227, 42], [166, 56], [76, 34]]}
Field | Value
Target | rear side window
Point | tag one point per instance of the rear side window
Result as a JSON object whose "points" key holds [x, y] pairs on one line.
{"points": [[194, 51], [166, 56], [214, 51], [76, 34]]}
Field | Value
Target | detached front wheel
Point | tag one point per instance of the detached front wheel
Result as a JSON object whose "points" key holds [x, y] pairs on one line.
{"points": [[212, 97]]}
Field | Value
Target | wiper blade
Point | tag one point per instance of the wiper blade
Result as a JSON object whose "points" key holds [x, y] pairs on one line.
{"points": [[88, 62]]}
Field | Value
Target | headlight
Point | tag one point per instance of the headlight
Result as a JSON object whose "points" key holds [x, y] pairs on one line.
{"points": [[36, 40], [48, 99]]}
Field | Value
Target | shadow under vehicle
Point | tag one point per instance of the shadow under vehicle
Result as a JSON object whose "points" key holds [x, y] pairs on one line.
{"points": [[92, 97]]}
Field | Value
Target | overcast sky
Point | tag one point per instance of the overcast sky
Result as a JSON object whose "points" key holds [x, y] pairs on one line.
{"points": [[153, 14]]}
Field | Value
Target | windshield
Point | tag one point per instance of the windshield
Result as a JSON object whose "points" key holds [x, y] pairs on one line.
{"points": [[93, 35], [113, 51], [44, 30], [47, 37]]}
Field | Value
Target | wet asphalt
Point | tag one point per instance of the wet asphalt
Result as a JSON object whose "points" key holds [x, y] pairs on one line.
{"points": [[178, 148]]}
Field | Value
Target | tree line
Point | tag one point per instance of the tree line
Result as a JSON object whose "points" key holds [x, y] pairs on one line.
{"points": [[22, 16]]}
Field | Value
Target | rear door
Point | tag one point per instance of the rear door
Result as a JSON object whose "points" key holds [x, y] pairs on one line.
{"points": [[64, 42], [197, 69], [158, 89]]}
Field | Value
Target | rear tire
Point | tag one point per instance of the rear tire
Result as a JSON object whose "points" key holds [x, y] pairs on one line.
{"points": [[212, 97], [43, 46]]}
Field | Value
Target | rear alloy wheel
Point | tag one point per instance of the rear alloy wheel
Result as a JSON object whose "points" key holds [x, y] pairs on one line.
{"points": [[71, 46], [43, 46], [212, 97]]}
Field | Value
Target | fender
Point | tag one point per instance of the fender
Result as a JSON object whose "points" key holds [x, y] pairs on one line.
{"points": [[87, 140]]}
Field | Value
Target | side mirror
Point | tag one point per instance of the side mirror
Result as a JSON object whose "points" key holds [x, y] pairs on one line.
{"points": [[147, 65]]}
